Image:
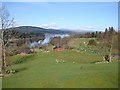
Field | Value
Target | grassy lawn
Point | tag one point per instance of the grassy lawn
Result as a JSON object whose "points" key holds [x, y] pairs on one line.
{"points": [[40, 70]]}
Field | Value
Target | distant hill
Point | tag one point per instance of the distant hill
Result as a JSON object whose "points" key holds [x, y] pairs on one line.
{"points": [[39, 29], [34, 29]]}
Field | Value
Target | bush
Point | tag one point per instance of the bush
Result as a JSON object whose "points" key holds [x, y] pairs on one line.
{"points": [[92, 42]]}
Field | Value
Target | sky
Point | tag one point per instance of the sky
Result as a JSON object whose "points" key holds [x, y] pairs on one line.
{"points": [[65, 15]]}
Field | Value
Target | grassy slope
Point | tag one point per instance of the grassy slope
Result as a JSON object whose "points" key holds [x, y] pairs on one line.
{"points": [[41, 71]]}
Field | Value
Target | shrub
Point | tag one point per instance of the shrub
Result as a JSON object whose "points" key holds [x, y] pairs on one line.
{"points": [[92, 42]]}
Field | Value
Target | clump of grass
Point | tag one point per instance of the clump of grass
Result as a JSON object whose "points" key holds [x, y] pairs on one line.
{"points": [[21, 60]]}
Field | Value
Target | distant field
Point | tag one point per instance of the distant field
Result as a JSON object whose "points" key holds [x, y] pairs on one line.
{"points": [[81, 43], [76, 42], [40, 70]]}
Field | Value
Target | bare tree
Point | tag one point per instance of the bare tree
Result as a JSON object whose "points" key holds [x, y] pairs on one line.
{"points": [[6, 22], [108, 39]]}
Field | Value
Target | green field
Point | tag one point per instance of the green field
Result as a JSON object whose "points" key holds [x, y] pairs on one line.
{"points": [[40, 70]]}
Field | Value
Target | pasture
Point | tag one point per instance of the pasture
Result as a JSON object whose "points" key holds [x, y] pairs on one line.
{"points": [[40, 70]]}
